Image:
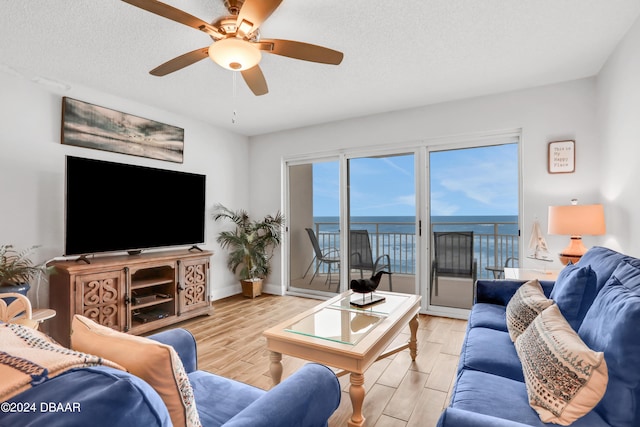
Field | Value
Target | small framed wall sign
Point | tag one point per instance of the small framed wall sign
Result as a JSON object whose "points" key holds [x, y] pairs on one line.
{"points": [[562, 157]]}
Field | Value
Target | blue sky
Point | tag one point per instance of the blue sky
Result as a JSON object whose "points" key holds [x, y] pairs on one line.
{"points": [[476, 181]]}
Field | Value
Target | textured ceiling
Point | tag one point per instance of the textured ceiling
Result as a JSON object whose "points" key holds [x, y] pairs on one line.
{"points": [[397, 54]]}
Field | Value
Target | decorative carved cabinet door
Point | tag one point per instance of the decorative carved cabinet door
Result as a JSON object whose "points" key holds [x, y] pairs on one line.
{"points": [[192, 287], [99, 297]]}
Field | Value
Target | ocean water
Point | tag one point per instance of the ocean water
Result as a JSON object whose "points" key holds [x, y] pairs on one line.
{"points": [[495, 237]]}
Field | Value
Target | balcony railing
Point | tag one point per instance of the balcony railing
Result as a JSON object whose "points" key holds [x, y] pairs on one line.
{"points": [[494, 242]]}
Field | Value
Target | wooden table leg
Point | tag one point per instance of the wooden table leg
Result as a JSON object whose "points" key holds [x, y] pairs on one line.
{"points": [[413, 341], [275, 368], [356, 393]]}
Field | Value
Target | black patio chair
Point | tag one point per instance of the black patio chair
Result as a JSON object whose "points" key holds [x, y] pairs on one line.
{"points": [[362, 256], [452, 257], [331, 257]]}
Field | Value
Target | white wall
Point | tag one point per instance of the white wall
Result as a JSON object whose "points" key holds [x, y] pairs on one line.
{"points": [[550, 113], [32, 158], [618, 92], [32, 169]]}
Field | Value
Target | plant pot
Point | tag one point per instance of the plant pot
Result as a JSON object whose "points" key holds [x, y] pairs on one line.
{"points": [[251, 288], [21, 288]]}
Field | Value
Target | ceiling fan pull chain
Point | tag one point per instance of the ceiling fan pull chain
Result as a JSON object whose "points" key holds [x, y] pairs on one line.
{"points": [[233, 102]]}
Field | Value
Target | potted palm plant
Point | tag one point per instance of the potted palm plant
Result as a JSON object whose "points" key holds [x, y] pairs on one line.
{"points": [[17, 269], [250, 245]]}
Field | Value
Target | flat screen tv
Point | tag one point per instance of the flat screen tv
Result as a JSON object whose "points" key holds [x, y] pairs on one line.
{"points": [[113, 207]]}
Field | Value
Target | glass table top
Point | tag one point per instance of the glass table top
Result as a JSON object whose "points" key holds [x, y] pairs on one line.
{"points": [[333, 324], [345, 323]]}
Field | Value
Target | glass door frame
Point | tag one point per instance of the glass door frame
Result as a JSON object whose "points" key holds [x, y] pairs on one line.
{"points": [[456, 143], [343, 158], [286, 209], [421, 150], [345, 207]]}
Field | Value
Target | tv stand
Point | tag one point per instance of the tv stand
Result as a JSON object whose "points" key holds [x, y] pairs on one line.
{"points": [[135, 252], [130, 294], [195, 248]]}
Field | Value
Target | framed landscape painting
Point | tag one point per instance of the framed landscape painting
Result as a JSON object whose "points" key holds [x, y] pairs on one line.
{"points": [[90, 126]]}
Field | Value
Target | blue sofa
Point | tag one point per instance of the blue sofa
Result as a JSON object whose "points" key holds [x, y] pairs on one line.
{"points": [[600, 299], [102, 396]]}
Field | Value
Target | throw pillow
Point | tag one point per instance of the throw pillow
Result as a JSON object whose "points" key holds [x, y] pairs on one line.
{"points": [[29, 358], [156, 363], [603, 261], [528, 301], [565, 379], [574, 291]]}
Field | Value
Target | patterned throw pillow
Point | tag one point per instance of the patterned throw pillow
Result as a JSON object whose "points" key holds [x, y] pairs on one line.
{"points": [[565, 379], [156, 363], [528, 301]]}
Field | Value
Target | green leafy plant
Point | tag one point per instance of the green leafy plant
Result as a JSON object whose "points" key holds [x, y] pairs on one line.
{"points": [[251, 244], [16, 267]]}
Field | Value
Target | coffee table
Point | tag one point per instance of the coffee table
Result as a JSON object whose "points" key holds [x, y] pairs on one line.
{"points": [[336, 333]]}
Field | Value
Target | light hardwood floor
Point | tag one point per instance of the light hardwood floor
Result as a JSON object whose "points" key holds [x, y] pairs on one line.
{"points": [[400, 393]]}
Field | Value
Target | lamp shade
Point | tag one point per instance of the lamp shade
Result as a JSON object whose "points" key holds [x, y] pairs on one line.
{"points": [[234, 54], [576, 220]]}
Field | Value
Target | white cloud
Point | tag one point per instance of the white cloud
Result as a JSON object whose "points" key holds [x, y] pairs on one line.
{"points": [[398, 168]]}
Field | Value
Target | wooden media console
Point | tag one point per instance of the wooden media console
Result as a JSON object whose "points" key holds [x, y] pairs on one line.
{"points": [[130, 293]]}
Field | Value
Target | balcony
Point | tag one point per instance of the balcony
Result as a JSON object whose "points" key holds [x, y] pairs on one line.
{"points": [[494, 241]]}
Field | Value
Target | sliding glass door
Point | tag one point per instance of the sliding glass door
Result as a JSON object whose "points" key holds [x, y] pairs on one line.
{"points": [[382, 236], [314, 227], [473, 219]]}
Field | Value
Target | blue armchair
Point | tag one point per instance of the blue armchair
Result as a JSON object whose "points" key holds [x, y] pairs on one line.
{"points": [[103, 396]]}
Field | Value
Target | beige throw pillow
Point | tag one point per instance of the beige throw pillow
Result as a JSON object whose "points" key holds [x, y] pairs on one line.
{"points": [[565, 379], [156, 363], [528, 301]]}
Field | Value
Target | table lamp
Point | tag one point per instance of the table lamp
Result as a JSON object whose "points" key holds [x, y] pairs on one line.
{"points": [[576, 220]]}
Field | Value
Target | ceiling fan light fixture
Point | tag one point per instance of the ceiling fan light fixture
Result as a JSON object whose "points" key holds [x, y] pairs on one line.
{"points": [[234, 54]]}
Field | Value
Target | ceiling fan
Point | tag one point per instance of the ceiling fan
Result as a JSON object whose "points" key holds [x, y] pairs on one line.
{"points": [[237, 44]]}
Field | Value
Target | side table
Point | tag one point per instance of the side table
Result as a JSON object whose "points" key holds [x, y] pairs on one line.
{"points": [[42, 314], [530, 273], [496, 270]]}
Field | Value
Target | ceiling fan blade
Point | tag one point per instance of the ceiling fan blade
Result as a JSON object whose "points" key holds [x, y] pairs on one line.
{"points": [[300, 50], [255, 80], [180, 62], [174, 14], [253, 13]]}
